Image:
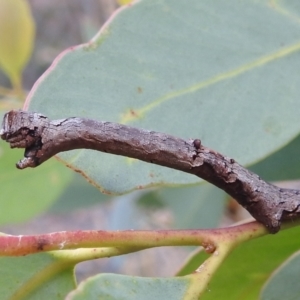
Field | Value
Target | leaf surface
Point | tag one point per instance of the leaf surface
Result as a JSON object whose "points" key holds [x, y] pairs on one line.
{"points": [[120, 287], [248, 267], [281, 165], [29, 192], [284, 282], [35, 277], [226, 72], [199, 206]]}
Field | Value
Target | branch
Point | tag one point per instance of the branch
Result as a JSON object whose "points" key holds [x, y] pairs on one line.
{"points": [[43, 138], [130, 240]]}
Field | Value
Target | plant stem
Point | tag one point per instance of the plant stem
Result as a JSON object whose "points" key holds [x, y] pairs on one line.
{"points": [[210, 239], [43, 138], [225, 244]]}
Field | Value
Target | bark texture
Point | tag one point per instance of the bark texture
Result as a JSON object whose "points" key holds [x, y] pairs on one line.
{"points": [[43, 138]]}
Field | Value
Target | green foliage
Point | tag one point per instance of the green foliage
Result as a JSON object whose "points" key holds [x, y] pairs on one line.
{"points": [[280, 165], [25, 194], [116, 287], [33, 277], [248, 267], [283, 284], [208, 70], [223, 71], [199, 206]]}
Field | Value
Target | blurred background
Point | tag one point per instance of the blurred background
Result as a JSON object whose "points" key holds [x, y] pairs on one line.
{"points": [[34, 203], [59, 25]]}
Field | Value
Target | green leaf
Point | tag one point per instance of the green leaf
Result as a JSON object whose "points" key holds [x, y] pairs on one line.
{"points": [[120, 287], [35, 277], [248, 267], [26, 193], [284, 282], [193, 261], [282, 165], [226, 72], [16, 37], [78, 193], [198, 206]]}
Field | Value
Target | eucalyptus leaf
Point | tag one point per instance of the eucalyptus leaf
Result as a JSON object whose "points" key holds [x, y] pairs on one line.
{"points": [[26, 193], [35, 277], [120, 287], [284, 282], [226, 72], [248, 267], [78, 193], [282, 165], [199, 206]]}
